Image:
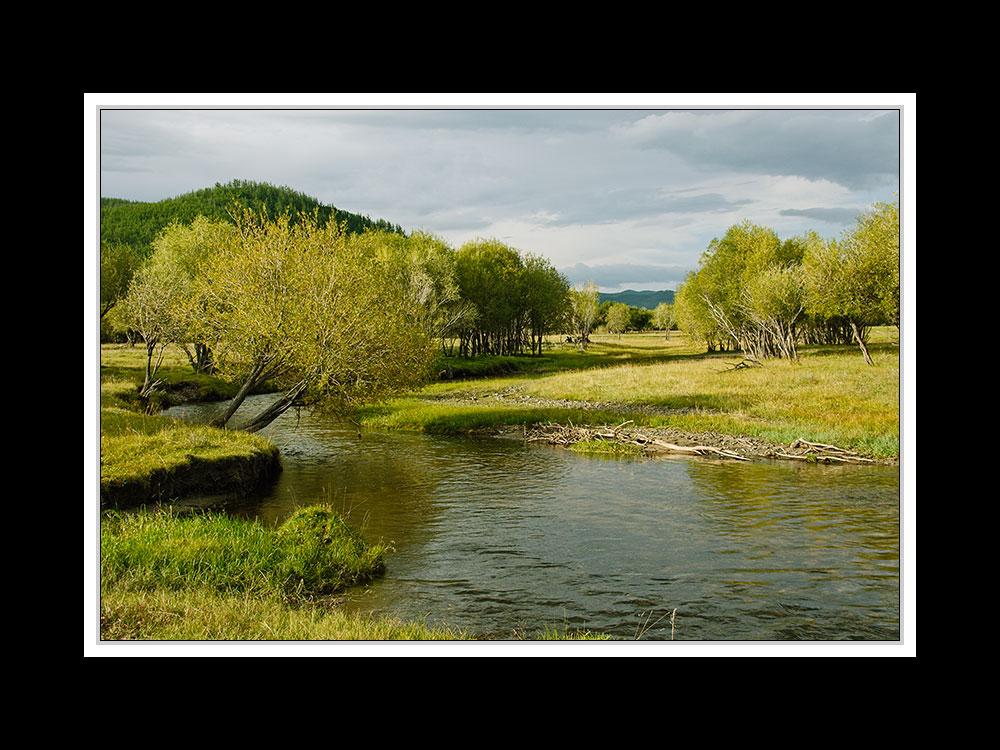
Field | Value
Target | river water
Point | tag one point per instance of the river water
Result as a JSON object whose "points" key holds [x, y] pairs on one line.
{"points": [[502, 538]]}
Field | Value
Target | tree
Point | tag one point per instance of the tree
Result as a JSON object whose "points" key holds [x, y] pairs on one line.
{"points": [[186, 248], [119, 262], [773, 302], [727, 268], [312, 310], [618, 318], [490, 277], [664, 318], [584, 306], [546, 295], [694, 315], [639, 318], [857, 278], [151, 310]]}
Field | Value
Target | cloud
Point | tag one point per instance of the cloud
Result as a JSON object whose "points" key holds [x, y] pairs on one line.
{"points": [[839, 216], [858, 149], [632, 204], [615, 275]]}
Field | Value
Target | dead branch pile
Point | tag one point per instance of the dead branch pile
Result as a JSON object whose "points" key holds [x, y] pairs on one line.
{"points": [[820, 452], [801, 450], [558, 434]]}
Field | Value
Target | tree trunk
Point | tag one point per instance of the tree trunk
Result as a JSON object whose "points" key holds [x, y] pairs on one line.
{"points": [[240, 397], [276, 409], [861, 343]]}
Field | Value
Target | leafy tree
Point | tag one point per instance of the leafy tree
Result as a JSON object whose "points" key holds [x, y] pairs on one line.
{"points": [[618, 318], [639, 318], [857, 278], [310, 309], [186, 248], [694, 314], [664, 318], [584, 307], [490, 277], [774, 301], [150, 309], [545, 297], [118, 264], [726, 270]]}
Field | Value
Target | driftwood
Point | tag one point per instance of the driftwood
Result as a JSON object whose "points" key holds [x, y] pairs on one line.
{"points": [[556, 434], [822, 452], [568, 434], [744, 363]]}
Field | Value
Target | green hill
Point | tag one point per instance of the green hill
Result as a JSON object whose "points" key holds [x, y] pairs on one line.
{"points": [[647, 300], [136, 223]]}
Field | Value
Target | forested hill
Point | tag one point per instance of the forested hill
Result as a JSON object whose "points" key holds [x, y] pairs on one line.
{"points": [[136, 223], [648, 300]]}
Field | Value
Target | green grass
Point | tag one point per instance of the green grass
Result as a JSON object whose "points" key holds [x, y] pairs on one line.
{"points": [[208, 576], [314, 552], [830, 395], [606, 448]]}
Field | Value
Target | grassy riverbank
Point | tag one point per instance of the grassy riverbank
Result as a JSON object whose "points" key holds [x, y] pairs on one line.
{"points": [[829, 396], [212, 577], [146, 457], [200, 576], [169, 577]]}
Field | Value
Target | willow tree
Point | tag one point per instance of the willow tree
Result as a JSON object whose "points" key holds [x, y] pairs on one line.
{"points": [[664, 317], [857, 278], [311, 310], [118, 264], [545, 296], [151, 309], [186, 248], [745, 255], [617, 318], [584, 307]]}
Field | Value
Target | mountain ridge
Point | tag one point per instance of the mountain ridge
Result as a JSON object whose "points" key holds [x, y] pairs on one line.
{"points": [[645, 299]]}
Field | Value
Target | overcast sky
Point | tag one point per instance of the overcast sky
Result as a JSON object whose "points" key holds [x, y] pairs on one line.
{"points": [[626, 197]]}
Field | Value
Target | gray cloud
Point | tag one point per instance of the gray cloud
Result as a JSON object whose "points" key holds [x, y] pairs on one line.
{"points": [[841, 216], [593, 185], [858, 149], [613, 275], [632, 204]]}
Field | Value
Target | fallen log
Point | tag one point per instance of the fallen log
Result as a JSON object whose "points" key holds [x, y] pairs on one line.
{"points": [[700, 450]]}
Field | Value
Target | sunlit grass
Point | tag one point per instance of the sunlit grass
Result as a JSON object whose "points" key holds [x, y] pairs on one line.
{"points": [[830, 395]]}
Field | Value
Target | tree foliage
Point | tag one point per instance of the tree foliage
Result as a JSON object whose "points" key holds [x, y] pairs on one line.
{"points": [[517, 299], [311, 309], [756, 293], [119, 262], [584, 309], [664, 317]]}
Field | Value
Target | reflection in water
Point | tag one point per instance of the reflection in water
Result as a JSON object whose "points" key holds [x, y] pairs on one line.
{"points": [[496, 536]]}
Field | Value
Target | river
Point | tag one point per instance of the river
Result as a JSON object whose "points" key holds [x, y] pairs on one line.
{"points": [[503, 538]]}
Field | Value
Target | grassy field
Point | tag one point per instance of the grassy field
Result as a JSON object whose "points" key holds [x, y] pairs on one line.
{"points": [[829, 396]]}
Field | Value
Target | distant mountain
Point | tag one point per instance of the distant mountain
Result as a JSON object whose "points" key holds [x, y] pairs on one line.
{"points": [[137, 223], [648, 300]]}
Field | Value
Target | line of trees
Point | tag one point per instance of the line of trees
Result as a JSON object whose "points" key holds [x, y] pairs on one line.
{"points": [[757, 294], [333, 318], [514, 300]]}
